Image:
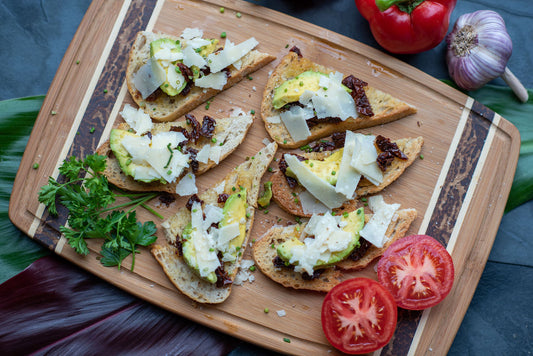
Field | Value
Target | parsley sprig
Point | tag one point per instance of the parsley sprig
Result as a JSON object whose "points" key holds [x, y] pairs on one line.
{"points": [[87, 195]]}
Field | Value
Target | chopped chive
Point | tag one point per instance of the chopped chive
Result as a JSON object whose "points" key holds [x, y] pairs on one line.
{"points": [[171, 154], [223, 35], [92, 130], [252, 268], [214, 140], [239, 15], [53, 112], [78, 61], [266, 310], [105, 91], [421, 156], [222, 10], [252, 112], [287, 340], [35, 166]]}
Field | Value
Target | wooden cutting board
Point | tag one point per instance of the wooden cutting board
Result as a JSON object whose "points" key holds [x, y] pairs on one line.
{"points": [[459, 188]]}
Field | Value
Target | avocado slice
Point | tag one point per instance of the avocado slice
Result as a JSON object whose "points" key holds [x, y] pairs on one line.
{"points": [[175, 81], [234, 211], [265, 198], [136, 171], [290, 90], [354, 220], [327, 169]]}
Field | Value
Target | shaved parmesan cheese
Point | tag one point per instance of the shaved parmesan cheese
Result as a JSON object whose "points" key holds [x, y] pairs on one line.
{"points": [[220, 60], [213, 215], [332, 100], [215, 153], [213, 80], [167, 53], [219, 189], [205, 254], [167, 163], [294, 121], [326, 237], [226, 234], [190, 33], [146, 81], [310, 204], [198, 42], [137, 119], [318, 187], [192, 58], [187, 185], [374, 231], [145, 173], [348, 177], [203, 155], [364, 159]]}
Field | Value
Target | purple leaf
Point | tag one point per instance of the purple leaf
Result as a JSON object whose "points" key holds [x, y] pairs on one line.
{"points": [[55, 307]]}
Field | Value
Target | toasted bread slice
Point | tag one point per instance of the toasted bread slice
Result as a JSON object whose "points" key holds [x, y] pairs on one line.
{"points": [[386, 108], [229, 134], [264, 252], [284, 195], [168, 108], [247, 175]]}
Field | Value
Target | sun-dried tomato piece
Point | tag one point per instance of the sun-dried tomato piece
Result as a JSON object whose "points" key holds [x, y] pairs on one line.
{"points": [[356, 86]]}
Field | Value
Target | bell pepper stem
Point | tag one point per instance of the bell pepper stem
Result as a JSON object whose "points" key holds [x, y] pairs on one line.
{"points": [[385, 4], [515, 84]]}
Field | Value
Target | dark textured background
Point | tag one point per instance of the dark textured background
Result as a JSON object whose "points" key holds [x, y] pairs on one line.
{"points": [[35, 35]]}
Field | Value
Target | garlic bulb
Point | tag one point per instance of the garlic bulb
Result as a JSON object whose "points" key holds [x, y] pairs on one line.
{"points": [[478, 50]]}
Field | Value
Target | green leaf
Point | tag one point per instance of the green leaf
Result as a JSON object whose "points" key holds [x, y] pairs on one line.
{"points": [[113, 257], [17, 117], [503, 101], [144, 234]]}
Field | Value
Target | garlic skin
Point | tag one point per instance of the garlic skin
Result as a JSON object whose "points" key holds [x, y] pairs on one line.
{"points": [[478, 49]]}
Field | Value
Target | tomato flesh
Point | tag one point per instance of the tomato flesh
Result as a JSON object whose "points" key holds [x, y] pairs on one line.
{"points": [[359, 316], [417, 270]]}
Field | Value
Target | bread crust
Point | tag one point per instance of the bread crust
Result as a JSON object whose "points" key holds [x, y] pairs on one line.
{"points": [[167, 108], [264, 253], [247, 175], [284, 195], [233, 129], [386, 108]]}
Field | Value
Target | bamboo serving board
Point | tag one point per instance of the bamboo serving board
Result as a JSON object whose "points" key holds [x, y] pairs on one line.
{"points": [[459, 188]]}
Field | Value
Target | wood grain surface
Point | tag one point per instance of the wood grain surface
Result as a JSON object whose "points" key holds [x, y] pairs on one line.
{"points": [[459, 188]]}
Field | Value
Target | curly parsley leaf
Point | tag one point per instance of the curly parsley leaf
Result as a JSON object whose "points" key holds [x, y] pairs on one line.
{"points": [[86, 193]]}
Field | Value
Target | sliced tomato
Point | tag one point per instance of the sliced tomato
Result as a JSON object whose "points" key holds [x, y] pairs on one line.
{"points": [[359, 316], [417, 270]]}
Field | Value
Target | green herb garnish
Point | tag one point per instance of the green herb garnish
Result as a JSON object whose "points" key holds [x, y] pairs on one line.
{"points": [[85, 192]]}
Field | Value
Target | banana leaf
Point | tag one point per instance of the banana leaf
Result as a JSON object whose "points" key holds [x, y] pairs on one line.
{"points": [[17, 117], [503, 101]]}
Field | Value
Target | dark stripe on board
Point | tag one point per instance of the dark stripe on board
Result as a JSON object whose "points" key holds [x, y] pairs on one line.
{"points": [[100, 106], [449, 203]]}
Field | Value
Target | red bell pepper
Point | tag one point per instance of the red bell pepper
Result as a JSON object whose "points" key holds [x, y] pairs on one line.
{"points": [[407, 26]]}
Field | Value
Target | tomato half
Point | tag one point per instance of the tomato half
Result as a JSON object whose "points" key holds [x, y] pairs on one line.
{"points": [[359, 316], [417, 270]]}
